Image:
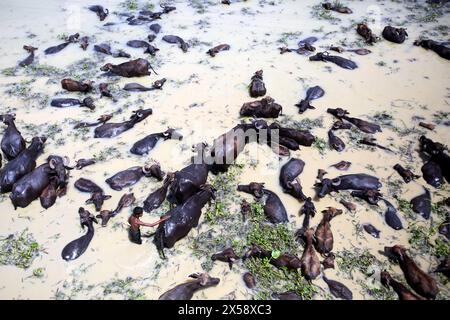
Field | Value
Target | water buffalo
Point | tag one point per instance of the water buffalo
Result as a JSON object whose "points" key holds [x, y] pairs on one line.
{"points": [[421, 282], [313, 93], [310, 263], [133, 68], [442, 50], [328, 262], [273, 207], [422, 204], [323, 235], [150, 49], [101, 12], [432, 174], [77, 247], [104, 91], [338, 7], [340, 61], [437, 153], [71, 39], [257, 87], [106, 49], [73, 85], [370, 229], [24, 163], [157, 197], [157, 85], [97, 194], [302, 137], [284, 260], [187, 182], [342, 165], [132, 176], [335, 142], [221, 47], [402, 291], [264, 108], [182, 219], [364, 31], [110, 130], [176, 40], [226, 148], [51, 192], [228, 255], [289, 178], [101, 120], [125, 201], [340, 125], [396, 35], [12, 143], [84, 42], [359, 181], [249, 280], [338, 289], [186, 290], [28, 60], [71, 102], [31, 185], [406, 174], [309, 211], [391, 217], [370, 195], [362, 125], [145, 145]]}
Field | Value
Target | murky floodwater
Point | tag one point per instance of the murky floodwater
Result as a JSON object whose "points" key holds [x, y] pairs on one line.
{"points": [[202, 98]]}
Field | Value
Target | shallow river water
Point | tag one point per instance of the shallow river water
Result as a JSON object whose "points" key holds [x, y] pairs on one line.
{"points": [[201, 99]]}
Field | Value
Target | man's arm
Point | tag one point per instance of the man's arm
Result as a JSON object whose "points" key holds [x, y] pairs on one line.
{"points": [[164, 218]]}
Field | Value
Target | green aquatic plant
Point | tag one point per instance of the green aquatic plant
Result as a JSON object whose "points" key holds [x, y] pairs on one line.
{"points": [[357, 260], [270, 279], [128, 288], [19, 249], [320, 144]]}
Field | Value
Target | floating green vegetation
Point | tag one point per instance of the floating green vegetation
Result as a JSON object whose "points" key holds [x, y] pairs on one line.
{"points": [[286, 36], [271, 280], [377, 293], [131, 5], [39, 272], [406, 207], [304, 124], [128, 288], [321, 13], [357, 260], [431, 13], [107, 154], [440, 117], [201, 6], [424, 239], [225, 185], [43, 70], [320, 144], [19, 249], [275, 238], [9, 71]]}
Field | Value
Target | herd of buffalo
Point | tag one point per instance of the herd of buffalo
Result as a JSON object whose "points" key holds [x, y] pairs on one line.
{"points": [[187, 189]]}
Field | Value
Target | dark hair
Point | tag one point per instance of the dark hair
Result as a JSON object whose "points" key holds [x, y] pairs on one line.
{"points": [[138, 211]]}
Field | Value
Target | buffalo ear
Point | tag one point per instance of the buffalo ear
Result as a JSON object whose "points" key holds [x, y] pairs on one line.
{"points": [[194, 275], [106, 197], [88, 201]]}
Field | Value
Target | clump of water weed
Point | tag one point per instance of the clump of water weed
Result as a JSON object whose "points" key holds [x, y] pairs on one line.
{"points": [[19, 249]]}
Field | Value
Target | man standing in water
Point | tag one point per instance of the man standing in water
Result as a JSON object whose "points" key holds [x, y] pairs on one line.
{"points": [[136, 223]]}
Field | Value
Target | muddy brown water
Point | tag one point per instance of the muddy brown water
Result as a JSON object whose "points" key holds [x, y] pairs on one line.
{"points": [[202, 98]]}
